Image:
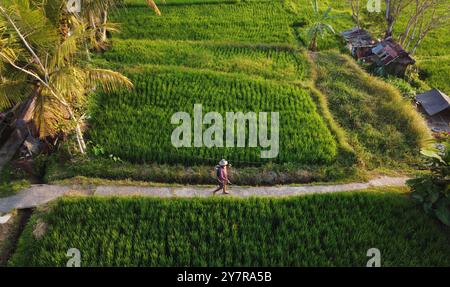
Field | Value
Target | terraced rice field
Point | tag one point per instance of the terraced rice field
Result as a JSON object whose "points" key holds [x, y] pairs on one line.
{"points": [[276, 62], [142, 118], [317, 230], [233, 56], [228, 57], [251, 22]]}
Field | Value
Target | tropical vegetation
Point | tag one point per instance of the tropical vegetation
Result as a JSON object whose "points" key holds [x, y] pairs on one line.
{"points": [[103, 101], [46, 68], [432, 190], [319, 26]]}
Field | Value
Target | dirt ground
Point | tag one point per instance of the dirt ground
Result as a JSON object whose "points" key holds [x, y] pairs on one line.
{"points": [[10, 232]]}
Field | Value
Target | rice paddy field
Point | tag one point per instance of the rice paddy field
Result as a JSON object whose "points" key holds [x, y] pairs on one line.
{"points": [[273, 62], [251, 22], [240, 56], [150, 117], [300, 231]]}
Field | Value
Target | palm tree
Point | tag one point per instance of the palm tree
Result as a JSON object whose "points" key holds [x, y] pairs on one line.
{"points": [[318, 27], [96, 14], [93, 12], [48, 71]]}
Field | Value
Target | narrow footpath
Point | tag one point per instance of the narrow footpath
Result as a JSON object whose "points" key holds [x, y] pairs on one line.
{"points": [[42, 193]]}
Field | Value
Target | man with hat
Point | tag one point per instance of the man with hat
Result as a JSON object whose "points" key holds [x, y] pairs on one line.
{"points": [[222, 176]]}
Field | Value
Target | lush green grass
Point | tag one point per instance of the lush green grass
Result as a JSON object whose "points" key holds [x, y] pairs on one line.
{"points": [[242, 174], [12, 180], [278, 62], [379, 124], [142, 118], [11, 187], [435, 70], [163, 3], [251, 22], [317, 230]]}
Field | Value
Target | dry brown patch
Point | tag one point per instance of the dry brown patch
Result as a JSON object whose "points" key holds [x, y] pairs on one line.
{"points": [[39, 229], [76, 192], [10, 232]]}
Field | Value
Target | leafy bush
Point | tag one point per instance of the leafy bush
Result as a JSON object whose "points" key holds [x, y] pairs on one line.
{"points": [[433, 190], [404, 87]]}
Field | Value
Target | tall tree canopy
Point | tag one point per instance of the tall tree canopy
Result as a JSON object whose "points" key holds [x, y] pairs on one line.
{"points": [[49, 70]]}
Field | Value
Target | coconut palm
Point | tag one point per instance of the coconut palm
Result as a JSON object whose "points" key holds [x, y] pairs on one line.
{"points": [[318, 27], [96, 14], [47, 71], [93, 12]]}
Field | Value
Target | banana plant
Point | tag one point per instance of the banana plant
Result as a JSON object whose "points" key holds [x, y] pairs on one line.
{"points": [[432, 190], [319, 26]]}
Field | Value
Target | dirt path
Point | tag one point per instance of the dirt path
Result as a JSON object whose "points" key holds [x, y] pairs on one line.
{"points": [[40, 194]]}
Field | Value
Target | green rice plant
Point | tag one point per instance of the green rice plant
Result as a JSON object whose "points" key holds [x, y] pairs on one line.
{"points": [[278, 62], [162, 3], [315, 230], [136, 125], [251, 22]]}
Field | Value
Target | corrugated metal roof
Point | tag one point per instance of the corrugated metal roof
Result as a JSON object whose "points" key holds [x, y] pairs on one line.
{"points": [[358, 37], [434, 101], [389, 51]]}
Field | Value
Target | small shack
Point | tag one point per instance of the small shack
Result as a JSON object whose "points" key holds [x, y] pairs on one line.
{"points": [[436, 105], [385, 53], [359, 42], [433, 102], [392, 57]]}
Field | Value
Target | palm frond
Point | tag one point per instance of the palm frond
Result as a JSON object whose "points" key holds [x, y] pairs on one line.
{"points": [[70, 84], [155, 8], [107, 80], [326, 14], [34, 25], [48, 113], [12, 92], [64, 53], [315, 5], [329, 28]]}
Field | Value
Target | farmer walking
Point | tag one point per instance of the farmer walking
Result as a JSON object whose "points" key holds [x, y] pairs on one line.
{"points": [[222, 176]]}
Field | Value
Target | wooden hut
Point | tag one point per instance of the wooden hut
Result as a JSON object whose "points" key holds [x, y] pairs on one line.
{"points": [[392, 57], [359, 42]]}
